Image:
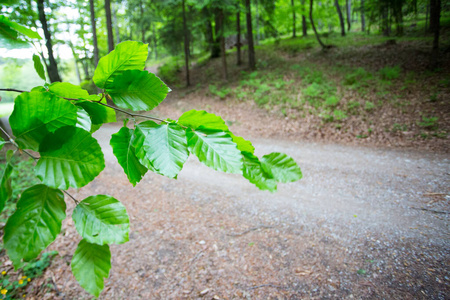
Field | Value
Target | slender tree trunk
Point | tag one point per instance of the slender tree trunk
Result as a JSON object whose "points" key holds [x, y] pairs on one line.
{"points": [[222, 44], [258, 37], [435, 16], [348, 7], [52, 68], [109, 25], [313, 26], [238, 42], [94, 32], [116, 24], [155, 45], [141, 10], [251, 49], [293, 19], [363, 17], [341, 18], [304, 29], [216, 41], [186, 45]]}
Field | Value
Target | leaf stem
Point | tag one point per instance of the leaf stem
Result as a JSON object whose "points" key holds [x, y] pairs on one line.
{"points": [[104, 104], [33, 157]]}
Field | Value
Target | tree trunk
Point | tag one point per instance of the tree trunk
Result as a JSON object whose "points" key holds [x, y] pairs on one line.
{"points": [[116, 24], [238, 42], [94, 32], [52, 68], [304, 29], [435, 16], [341, 18], [348, 7], [186, 45], [222, 44], [109, 25], [427, 15], [257, 23], [251, 49], [215, 51], [363, 17], [293, 19], [155, 45], [141, 10], [314, 27]]}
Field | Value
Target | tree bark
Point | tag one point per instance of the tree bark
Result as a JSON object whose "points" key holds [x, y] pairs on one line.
{"points": [[141, 10], [348, 7], [222, 44], [293, 19], [52, 68], [427, 15], [363, 17], [341, 18], [304, 29], [215, 51], [186, 45], [435, 16], [238, 42], [109, 25], [251, 48], [314, 27], [116, 24], [94, 32]]}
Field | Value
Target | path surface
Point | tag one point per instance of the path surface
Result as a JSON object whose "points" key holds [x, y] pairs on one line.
{"points": [[351, 228]]}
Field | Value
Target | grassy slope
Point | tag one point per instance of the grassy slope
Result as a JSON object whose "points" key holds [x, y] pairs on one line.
{"points": [[366, 88]]}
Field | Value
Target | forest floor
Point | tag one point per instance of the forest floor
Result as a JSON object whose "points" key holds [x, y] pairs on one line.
{"points": [[369, 220]]}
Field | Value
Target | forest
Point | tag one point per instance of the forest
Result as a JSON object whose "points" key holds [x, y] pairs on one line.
{"points": [[355, 92]]}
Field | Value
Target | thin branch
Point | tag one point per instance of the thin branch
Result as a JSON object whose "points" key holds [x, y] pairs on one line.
{"points": [[73, 198], [12, 90], [104, 104], [132, 114], [17, 146], [250, 230]]}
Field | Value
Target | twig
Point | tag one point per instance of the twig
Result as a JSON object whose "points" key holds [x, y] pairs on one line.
{"points": [[104, 104], [197, 256], [73, 198], [434, 194], [17, 146], [432, 210], [267, 285], [12, 90], [250, 230]]}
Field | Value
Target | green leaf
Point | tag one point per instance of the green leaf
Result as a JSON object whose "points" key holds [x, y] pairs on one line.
{"points": [[36, 114], [5, 186], [99, 113], [255, 174], [281, 167], [242, 144], [38, 66], [137, 90], [215, 149], [68, 90], [70, 157], [83, 120], [35, 223], [9, 40], [164, 146], [127, 56], [19, 28], [2, 143], [90, 265], [196, 118], [123, 149], [101, 220], [140, 138]]}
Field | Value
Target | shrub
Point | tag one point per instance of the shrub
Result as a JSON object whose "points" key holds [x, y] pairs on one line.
{"points": [[390, 73], [169, 71]]}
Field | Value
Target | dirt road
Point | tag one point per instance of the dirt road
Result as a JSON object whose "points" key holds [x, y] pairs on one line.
{"points": [[353, 227]]}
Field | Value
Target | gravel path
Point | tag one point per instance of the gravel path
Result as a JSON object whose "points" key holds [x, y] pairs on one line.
{"points": [[353, 227]]}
